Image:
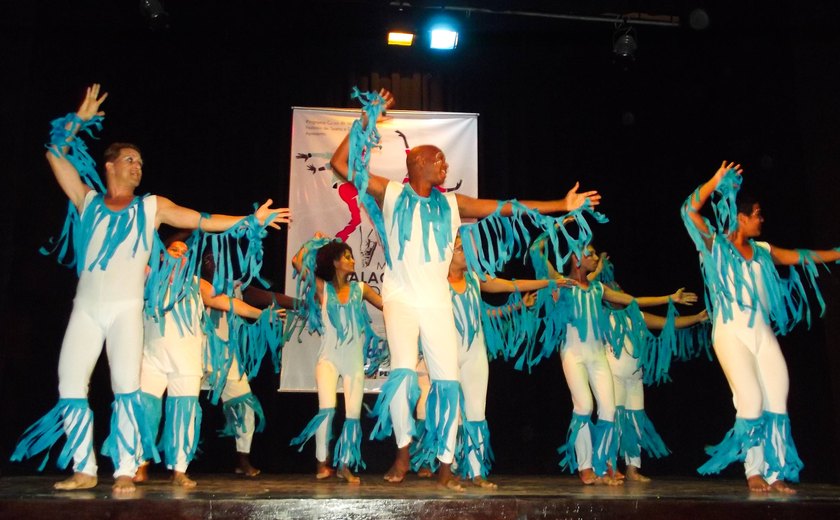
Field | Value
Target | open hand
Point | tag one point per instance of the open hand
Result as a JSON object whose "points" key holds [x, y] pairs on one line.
{"points": [[574, 200], [90, 104]]}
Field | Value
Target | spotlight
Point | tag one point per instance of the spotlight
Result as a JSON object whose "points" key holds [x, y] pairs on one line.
{"points": [[156, 15], [443, 38], [400, 38], [624, 42]]}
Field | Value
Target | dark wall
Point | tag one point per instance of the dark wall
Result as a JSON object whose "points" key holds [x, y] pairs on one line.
{"points": [[209, 103]]}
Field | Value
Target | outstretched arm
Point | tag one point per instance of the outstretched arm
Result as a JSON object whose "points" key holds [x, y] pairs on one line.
{"points": [[263, 299], [65, 173], [782, 256], [501, 285], [622, 298], [339, 161], [655, 322], [470, 207], [223, 302], [185, 218], [696, 202]]}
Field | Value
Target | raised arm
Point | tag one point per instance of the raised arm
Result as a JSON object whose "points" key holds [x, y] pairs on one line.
{"points": [[185, 218], [655, 322], [782, 256], [340, 159], [622, 298], [65, 173], [699, 198], [470, 207], [223, 303]]}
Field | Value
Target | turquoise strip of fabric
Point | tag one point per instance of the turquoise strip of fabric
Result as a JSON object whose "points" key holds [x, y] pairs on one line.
{"points": [[746, 434], [467, 307], [724, 269], [568, 456], [348, 449], [525, 342], [172, 285], [46, 431], [375, 347], [143, 442], [474, 441], [604, 446], [383, 427], [233, 262], [306, 287], [182, 413], [779, 450], [509, 327], [442, 408], [636, 432], [235, 411], [435, 217], [627, 324], [218, 356], [324, 414], [152, 410], [361, 141], [117, 228], [249, 342]]}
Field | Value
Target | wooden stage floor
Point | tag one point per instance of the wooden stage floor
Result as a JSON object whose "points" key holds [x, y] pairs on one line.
{"points": [[518, 497]]}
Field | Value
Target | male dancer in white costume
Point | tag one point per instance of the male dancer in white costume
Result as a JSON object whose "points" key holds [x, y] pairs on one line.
{"points": [[415, 292]]}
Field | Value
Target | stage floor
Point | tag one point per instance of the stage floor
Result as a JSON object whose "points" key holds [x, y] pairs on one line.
{"points": [[518, 497]]}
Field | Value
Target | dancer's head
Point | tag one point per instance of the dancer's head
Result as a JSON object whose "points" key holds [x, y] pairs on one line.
{"points": [[333, 260], [589, 261], [459, 260], [177, 249], [750, 218], [123, 164], [426, 163]]}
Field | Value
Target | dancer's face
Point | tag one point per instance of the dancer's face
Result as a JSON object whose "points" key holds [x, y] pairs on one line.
{"points": [[750, 225], [127, 167], [345, 264], [177, 249], [435, 168], [459, 261], [589, 262]]}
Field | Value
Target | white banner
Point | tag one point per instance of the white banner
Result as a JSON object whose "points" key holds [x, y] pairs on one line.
{"points": [[320, 201]]}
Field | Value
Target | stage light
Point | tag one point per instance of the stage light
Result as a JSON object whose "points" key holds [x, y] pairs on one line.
{"points": [[400, 38], [444, 38], [624, 42], [155, 13]]}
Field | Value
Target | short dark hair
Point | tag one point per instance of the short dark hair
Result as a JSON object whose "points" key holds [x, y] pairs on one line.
{"points": [[745, 202], [114, 149], [326, 257]]}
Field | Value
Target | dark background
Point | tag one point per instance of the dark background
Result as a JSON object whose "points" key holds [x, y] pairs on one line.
{"points": [[208, 101]]}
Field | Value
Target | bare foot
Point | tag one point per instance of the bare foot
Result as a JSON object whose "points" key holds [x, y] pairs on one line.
{"points": [[607, 480], [77, 481], [780, 486], [614, 473], [447, 480], [396, 474], [142, 474], [182, 480], [345, 474], [425, 472], [587, 476], [323, 470], [244, 467], [757, 484], [634, 475], [484, 484], [123, 486]]}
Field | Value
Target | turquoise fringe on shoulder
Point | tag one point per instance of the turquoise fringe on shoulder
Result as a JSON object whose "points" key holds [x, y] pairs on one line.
{"points": [[604, 446], [235, 411], [779, 450], [474, 442], [746, 434], [324, 414], [348, 449], [383, 427], [46, 431], [306, 287], [142, 445], [182, 413], [568, 456], [435, 213], [442, 408]]}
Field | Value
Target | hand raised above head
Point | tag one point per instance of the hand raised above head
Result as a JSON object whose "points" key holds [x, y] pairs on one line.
{"points": [[91, 102]]}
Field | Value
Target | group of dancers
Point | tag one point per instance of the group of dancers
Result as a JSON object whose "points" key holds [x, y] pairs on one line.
{"points": [[133, 287]]}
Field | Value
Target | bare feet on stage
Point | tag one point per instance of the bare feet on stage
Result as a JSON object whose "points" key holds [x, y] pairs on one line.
{"points": [[780, 486], [614, 473], [396, 474], [447, 480], [77, 481], [634, 475], [588, 477], [484, 484], [182, 480], [123, 486], [323, 470], [757, 484], [345, 474], [142, 474], [425, 472], [244, 467]]}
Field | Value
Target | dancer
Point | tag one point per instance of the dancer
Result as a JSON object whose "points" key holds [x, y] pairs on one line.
{"points": [[112, 231], [344, 325], [591, 449], [421, 224], [750, 303]]}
